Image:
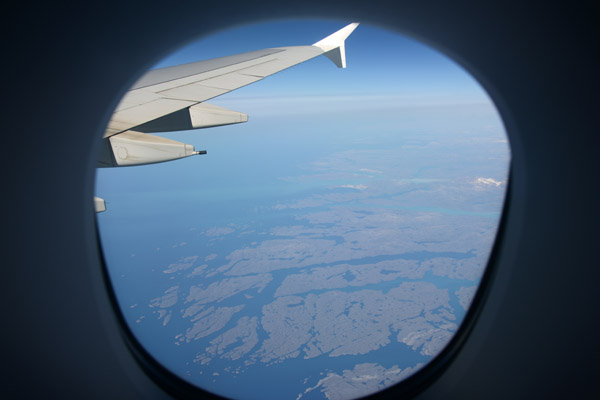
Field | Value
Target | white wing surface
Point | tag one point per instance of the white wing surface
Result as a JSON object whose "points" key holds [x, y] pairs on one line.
{"points": [[173, 99], [162, 92]]}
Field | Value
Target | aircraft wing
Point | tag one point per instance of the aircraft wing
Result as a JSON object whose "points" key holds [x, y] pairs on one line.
{"points": [[173, 98]]}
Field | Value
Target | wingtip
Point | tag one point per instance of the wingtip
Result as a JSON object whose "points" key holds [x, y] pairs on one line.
{"points": [[337, 38], [333, 46]]}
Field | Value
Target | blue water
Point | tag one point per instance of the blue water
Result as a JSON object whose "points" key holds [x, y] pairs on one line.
{"points": [[157, 215], [292, 376]]}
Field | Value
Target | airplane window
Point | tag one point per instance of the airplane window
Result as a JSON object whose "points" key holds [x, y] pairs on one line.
{"points": [[327, 247]]}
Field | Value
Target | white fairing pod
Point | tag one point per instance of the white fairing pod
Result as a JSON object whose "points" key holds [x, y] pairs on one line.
{"points": [[202, 115], [135, 148], [206, 115]]}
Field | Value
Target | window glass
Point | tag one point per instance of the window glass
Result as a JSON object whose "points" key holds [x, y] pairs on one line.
{"points": [[330, 246]]}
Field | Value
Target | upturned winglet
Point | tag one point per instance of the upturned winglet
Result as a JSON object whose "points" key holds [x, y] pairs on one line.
{"points": [[334, 47]]}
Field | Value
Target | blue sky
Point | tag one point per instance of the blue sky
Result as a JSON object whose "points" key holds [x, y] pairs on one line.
{"points": [[382, 65]]}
